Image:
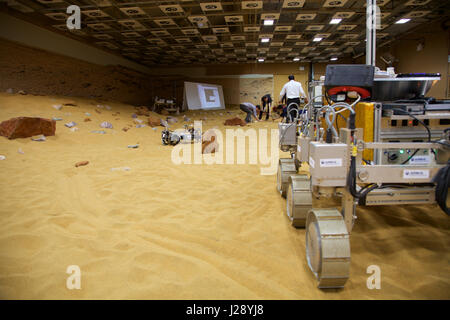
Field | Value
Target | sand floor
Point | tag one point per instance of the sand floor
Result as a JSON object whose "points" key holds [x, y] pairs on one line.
{"points": [[162, 231]]}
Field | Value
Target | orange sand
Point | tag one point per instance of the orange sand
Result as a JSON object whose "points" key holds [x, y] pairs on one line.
{"points": [[161, 231]]}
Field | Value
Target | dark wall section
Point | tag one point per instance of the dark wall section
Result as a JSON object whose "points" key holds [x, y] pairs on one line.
{"points": [[40, 72]]}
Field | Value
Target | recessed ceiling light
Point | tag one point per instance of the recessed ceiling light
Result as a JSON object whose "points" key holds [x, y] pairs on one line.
{"points": [[317, 39], [296, 59], [265, 40], [402, 21], [260, 60], [335, 21], [268, 22], [333, 58]]}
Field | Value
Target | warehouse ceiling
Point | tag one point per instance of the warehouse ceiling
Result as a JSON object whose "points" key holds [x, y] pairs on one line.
{"points": [[210, 32]]}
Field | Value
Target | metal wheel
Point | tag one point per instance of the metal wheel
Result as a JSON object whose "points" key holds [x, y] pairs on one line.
{"points": [[299, 199], [328, 247], [286, 168]]}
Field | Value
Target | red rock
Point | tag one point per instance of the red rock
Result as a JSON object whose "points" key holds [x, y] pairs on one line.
{"points": [[235, 122], [142, 111], [25, 127], [125, 129], [87, 120], [81, 163], [98, 111], [154, 121], [209, 143]]}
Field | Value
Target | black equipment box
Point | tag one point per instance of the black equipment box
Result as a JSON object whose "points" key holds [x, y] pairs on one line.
{"points": [[355, 75]]}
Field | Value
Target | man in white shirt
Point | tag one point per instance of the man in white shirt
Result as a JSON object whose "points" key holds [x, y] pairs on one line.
{"points": [[250, 109], [293, 91]]}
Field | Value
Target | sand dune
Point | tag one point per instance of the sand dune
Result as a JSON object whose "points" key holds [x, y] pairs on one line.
{"points": [[162, 231]]}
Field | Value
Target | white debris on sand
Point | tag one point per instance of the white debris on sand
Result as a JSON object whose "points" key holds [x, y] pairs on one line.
{"points": [[40, 137], [70, 124], [121, 169], [106, 124]]}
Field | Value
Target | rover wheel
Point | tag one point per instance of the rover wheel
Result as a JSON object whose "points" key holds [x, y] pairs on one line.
{"points": [[328, 247], [299, 199], [286, 168]]}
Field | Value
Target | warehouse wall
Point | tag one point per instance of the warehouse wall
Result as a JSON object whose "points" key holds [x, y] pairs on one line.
{"points": [[23, 32], [230, 78], [432, 58], [40, 72]]}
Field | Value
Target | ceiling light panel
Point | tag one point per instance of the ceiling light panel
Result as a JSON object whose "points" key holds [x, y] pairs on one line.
{"points": [[251, 29], [343, 15], [171, 9], [210, 38], [237, 38], [234, 19], [160, 33], [326, 43], [95, 13], [220, 30], [323, 35], [198, 19], [132, 24], [334, 3], [165, 22], [306, 16], [283, 28], [98, 26], [270, 16], [416, 14], [317, 27], [211, 6], [133, 11], [290, 4], [346, 27], [190, 32], [350, 36], [293, 36], [416, 2], [251, 5]]}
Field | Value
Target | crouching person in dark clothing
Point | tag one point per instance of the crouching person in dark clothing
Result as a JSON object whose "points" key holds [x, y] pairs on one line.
{"points": [[250, 109]]}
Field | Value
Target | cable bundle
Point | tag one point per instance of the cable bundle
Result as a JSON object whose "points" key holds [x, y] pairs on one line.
{"points": [[442, 180]]}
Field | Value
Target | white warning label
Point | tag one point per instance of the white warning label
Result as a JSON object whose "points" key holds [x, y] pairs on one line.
{"points": [[424, 159], [331, 162], [416, 174]]}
